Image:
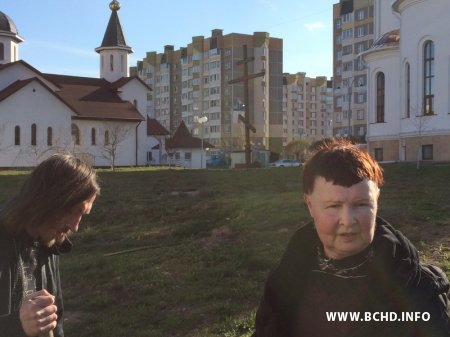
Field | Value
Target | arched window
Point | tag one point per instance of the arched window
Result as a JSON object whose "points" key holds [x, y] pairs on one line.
{"points": [[428, 78], [17, 135], [33, 134], [2, 51], [408, 91], [380, 97], [93, 137], [75, 134], [122, 63], [111, 62], [106, 137], [49, 136]]}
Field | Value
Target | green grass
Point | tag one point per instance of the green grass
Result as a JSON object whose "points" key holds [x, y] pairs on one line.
{"points": [[194, 263]]}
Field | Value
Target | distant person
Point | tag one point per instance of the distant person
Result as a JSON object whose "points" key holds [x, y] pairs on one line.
{"points": [[33, 233], [348, 261]]}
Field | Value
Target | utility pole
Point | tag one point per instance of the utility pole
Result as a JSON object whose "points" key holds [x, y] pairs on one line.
{"points": [[246, 118]]}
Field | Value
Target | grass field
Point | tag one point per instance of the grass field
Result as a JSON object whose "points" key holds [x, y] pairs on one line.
{"points": [[186, 253]]}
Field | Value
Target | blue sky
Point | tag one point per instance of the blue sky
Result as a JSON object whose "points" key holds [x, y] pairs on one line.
{"points": [[61, 35]]}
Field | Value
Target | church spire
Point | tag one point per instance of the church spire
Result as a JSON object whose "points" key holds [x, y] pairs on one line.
{"points": [[9, 40], [114, 51]]}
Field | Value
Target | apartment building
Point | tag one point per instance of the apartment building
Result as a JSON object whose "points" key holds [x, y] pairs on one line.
{"points": [[192, 82], [353, 33], [307, 108]]}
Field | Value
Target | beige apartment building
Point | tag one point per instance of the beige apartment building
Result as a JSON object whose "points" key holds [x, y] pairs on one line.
{"points": [[192, 82], [307, 108], [353, 33]]}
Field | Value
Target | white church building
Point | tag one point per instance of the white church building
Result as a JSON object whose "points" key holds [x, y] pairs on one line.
{"points": [[409, 81], [100, 119]]}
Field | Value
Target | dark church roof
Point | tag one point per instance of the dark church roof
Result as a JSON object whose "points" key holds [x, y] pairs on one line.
{"points": [[6, 24], [93, 98], [389, 39], [182, 139], [154, 128], [114, 36]]}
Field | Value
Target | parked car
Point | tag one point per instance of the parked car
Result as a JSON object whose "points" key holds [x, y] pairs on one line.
{"points": [[216, 160], [285, 163]]}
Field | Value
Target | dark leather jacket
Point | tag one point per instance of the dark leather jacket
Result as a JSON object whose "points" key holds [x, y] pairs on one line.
{"points": [[11, 284], [395, 282]]}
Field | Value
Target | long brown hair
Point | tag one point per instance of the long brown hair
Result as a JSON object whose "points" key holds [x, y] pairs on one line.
{"points": [[53, 188]]}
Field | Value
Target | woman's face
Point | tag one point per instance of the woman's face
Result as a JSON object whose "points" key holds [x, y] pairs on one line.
{"points": [[344, 216], [68, 222]]}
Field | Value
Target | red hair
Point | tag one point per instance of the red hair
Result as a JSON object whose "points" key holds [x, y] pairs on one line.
{"points": [[342, 163]]}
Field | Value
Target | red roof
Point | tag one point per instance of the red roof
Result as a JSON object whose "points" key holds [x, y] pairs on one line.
{"points": [[93, 98], [154, 128], [182, 139]]}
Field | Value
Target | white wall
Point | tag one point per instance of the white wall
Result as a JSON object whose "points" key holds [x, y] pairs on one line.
{"points": [[427, 20], [18, 71], [135, 91], [120, 64], [387, 62], [32, 104]]}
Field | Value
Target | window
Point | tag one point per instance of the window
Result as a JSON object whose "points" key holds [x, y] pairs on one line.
{"points": [[33, 134], [149, 156], [408, 90], [380, 98], [361, 14], [111, 62], [361, 131], [347, 17], [360, 115], [177, 155], [93, 137], [17, 135], [187, 156], [106, 137], [2, 51], [361, 98], [348, 33], [347, 49], [361, 31], [347, 66], [75, 134], [428, 78], [379, 154], [338, 24], [49, 136], [427, 152]]}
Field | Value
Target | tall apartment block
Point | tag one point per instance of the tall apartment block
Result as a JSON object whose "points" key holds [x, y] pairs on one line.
{"points": [[307, 108], [193, 81], [352, 34]]}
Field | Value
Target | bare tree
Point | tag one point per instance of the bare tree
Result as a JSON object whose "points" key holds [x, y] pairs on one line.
{"points": [[114, 136]]}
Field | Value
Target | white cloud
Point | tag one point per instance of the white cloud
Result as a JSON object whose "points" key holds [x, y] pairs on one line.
{"points": [[314, 26]]}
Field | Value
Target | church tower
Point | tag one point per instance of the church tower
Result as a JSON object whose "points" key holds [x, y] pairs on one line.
{"points": [[9, 40], [114, 52]]}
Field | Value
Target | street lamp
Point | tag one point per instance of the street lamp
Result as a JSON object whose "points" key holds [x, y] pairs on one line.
{"points": [[202, 120]]}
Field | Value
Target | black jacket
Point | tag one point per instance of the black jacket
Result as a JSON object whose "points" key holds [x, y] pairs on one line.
{"points": [[10, 283], [395, 282]]}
